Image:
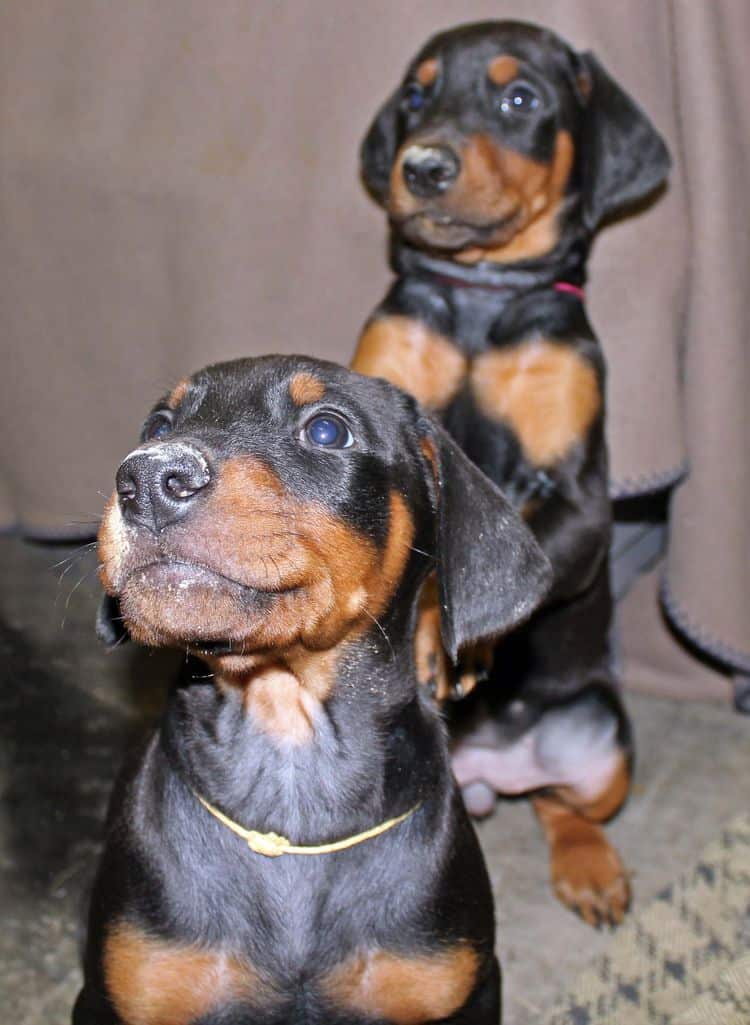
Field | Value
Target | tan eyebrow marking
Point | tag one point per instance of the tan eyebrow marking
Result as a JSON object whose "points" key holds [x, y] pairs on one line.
{"points": [[428, 71], [305, 388], [178, 393], [502, 69]]}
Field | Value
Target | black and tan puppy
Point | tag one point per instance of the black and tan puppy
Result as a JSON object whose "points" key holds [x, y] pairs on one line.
{"points": [[277, 521], [496, 159]]}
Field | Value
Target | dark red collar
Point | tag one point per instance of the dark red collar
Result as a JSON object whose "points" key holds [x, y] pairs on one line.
{"points": [[559, 286], [507, 280], [571, 289]]}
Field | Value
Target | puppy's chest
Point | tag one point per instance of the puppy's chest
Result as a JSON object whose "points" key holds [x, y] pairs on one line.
{"points": [[287, 945], [536, 386], [534, 395], [539, 390]]}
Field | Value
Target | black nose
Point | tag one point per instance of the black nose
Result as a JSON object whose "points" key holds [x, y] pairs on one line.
{"points": [[430, 170], [156, 486]]}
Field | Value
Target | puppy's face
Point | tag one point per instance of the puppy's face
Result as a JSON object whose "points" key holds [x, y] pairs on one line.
{"points": [[284, 501], [488, 120], [270, 502], [478, 149]]}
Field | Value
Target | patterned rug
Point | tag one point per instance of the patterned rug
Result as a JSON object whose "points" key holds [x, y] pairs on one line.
{"points": [[685, 959]]}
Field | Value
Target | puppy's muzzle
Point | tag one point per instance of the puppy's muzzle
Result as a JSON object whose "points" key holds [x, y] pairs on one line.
{"points": [[430, 170], [158, 485]]}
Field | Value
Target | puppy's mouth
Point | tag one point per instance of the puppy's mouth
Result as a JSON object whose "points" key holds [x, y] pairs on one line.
{"points": [[451, 233], [185, 603]]}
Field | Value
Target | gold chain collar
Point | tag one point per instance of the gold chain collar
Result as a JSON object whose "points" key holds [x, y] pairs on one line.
{"points": [[271, 845]]}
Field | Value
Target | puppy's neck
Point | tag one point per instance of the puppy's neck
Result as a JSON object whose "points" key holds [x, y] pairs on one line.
{"points": [[564, 261], [282, 692], [312, 745]]}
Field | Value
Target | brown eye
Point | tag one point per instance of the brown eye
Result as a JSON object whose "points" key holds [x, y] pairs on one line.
{"points": [[158, 426]]}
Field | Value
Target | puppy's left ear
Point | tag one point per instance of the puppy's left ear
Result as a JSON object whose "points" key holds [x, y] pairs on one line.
{"points": [[491, 572], [110, 628], [378, 150], [623, 158]]}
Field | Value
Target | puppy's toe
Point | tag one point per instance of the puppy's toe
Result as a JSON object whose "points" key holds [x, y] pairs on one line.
{"points": [[589, 877]]}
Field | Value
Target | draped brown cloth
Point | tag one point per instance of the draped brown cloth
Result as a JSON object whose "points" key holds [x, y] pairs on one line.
{"points": [[178, 185]]}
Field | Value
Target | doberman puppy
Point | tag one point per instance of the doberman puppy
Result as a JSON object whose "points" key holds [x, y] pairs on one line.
{"points": [[496, 159], [277, 521]]}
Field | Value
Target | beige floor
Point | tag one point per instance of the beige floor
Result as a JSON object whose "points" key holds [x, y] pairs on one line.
{"points": [[67, 708]]}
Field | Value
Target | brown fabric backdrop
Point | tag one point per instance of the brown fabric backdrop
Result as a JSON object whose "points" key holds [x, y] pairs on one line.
{"points": [[178, 185]]}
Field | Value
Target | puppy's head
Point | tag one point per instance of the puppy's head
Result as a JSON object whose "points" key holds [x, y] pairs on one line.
{"points": [[285, 501], [498, 135]]}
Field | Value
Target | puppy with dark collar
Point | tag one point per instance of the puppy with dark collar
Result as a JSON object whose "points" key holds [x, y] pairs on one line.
{"points": [[496, 158], [291, 846]]}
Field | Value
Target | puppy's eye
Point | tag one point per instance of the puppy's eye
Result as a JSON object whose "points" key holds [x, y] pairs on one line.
{"points": [[414, 97], [158, 426], [328, 431], [519, 99]]}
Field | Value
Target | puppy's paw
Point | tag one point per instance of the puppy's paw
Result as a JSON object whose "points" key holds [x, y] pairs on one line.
{"points": [[434, 671], [473, 668], [588, 876]]}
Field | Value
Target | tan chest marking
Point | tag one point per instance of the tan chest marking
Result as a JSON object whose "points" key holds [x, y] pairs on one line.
{"points": [[284, 707], [406, 353], [153, 982], [405, 990], [545, 391]]}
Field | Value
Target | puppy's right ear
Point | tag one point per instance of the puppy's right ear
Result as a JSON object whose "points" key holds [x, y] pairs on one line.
{"points": [[378, 151], [491, 572], [110, 628]]}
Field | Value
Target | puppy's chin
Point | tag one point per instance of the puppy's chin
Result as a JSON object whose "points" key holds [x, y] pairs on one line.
{"points": [[184, 605], [446, 234]]}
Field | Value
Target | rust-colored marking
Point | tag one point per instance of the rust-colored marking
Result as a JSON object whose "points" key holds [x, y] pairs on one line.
{"points": [[405, 990], [112, 544], [497, 187], [321, 582], [151, 981], [428, 451], [534, 191], [502, 69], [476, 662], [283, 700], [585, 85], [586, 871], [305, 388], [433, 666], [428, 71], [178, 393], [544, 390], [408, 354], [281, 705]]}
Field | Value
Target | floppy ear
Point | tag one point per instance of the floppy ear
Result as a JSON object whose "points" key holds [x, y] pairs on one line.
{"points": [[378, 150], [110, 628], [491, 572], [623, 158]]}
